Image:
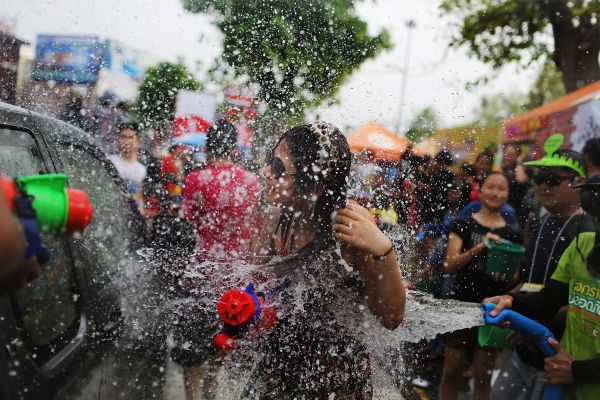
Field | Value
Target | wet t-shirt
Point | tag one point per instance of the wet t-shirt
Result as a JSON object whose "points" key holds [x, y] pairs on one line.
{"points": [[221, 201], [472, 283], [581, 339], [311, 353]]}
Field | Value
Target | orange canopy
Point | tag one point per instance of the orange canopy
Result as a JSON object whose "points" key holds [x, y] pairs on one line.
{"points": [[528, 124], [381, 142]]}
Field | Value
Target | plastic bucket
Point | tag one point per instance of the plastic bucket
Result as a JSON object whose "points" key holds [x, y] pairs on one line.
{"points": [[494, 336], [503, 257]]}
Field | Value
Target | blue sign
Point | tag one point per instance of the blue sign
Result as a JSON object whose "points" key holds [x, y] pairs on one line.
{"points": [[67, 58], [123, 60]]}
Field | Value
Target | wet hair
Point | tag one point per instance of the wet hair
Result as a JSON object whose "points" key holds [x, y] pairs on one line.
{"points": [[592, 150], [463, 188], [304, 147], [122, 105], [490, 174], [485, 153], [514, 146], [468, 169], [221, 139], [127, 123], [444, 157]]}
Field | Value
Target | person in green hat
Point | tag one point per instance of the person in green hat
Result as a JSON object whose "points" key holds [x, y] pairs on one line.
{"points": [[574, 285]]}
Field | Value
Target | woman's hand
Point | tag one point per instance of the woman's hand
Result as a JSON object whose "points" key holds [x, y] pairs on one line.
{"points": [[384, 289], [492, 237], [354, 225], [480, 247]]}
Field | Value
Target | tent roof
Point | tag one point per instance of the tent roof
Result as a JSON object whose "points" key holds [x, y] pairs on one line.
{"points": [[569, 100], [383, 143]]}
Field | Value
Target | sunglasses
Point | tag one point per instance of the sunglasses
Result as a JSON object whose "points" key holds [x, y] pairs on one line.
{"points": [[277, 166], [551, 179]]}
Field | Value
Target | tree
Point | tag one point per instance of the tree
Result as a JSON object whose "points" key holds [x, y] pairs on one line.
{"points": [[156, 98], [547, 86], [523, 31], [423, 125], [299, 52], [493, 109]]}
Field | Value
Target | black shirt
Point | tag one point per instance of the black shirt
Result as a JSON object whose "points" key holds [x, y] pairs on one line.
{"points": [[549, 238], [516, 193], [439, 186], [472, 283]]}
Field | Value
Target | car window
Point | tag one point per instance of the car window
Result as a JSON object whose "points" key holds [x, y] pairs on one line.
{"points": [[18, 154], [47, 310], [107, 241]]}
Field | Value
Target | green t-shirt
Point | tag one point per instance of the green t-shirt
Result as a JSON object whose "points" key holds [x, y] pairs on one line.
{"points": [[582, 335]]}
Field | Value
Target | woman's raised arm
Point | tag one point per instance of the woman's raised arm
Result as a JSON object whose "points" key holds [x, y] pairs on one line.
{"points": [[371, 252]]}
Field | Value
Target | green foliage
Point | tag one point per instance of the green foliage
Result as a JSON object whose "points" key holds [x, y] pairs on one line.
{"points": [[547, 87], [423, 125], [299, 52], [156, 98], [493, 109], [524, 31]]}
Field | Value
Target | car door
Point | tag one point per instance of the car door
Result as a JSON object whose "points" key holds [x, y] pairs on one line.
{"points": [[110, 242], [44, 325], [62, 335], [134, 352]]}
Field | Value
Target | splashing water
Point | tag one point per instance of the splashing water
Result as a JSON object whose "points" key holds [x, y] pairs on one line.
{"points": [[153, 310]]}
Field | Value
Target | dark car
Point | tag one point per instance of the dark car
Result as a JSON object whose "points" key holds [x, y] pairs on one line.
{"points": [[84, 329]]}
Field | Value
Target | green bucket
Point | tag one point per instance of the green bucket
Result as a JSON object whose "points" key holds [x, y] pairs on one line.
{"points": [[494, 336], [503, 257]]}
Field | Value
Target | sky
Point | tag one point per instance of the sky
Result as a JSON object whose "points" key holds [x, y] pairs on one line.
{"points": [[437, 75]]}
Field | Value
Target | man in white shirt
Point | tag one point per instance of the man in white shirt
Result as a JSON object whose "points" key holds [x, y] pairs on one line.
{"points": [[126, 161]]}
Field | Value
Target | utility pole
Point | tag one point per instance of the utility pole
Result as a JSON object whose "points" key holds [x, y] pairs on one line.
{"points": [[410, 25]]}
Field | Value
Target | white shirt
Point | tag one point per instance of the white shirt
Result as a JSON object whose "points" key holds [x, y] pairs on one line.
{"points": [[132, 172]]}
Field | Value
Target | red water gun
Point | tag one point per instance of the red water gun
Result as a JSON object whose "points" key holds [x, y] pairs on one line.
{"points": [[242, 310]]}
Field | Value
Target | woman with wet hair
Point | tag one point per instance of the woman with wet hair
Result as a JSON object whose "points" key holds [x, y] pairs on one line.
{"points": [[335, 259]]}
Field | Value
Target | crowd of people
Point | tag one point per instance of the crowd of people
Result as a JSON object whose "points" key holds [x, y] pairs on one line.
{"points": [[549, 205], [537, 204]]}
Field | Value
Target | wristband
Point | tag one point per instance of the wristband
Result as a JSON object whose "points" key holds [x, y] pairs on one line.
{"points": [[384, 255]]}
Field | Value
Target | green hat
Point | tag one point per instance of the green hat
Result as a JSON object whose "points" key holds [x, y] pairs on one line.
{"points": [[551, 159]]}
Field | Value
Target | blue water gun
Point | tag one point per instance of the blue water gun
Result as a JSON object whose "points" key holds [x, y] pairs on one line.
{"points": [[533, 330]]}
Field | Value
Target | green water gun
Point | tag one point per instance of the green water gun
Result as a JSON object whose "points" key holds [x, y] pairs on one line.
{"points": [[44, 204]]}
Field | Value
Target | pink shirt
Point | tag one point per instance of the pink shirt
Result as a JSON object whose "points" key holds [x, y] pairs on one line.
{"points": [[222, 202]]}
